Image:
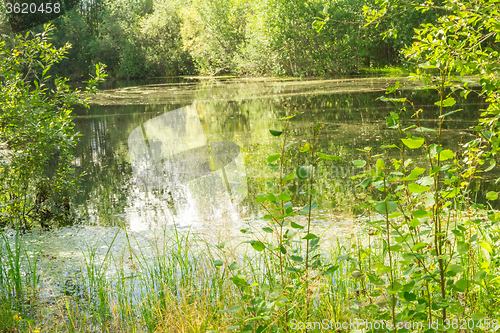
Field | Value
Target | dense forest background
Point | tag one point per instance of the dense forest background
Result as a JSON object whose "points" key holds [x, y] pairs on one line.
{"points": [[145, 38]]}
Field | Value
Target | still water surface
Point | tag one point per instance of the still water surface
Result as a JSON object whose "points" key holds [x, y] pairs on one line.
{"points": [[187, 153], [182, 152]]}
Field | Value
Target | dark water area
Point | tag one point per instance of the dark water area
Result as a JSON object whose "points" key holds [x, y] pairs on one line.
{"points": [[183, 151]]}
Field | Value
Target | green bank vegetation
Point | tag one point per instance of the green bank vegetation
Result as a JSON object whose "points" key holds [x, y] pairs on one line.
{"points": [[238, 37], [430, 254]]}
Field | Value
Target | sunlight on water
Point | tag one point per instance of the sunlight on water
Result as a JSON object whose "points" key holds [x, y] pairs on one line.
{"points": [[185, 178]]}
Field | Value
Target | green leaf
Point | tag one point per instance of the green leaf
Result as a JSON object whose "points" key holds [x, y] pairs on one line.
{"points": [[297, 259], [414, 174], [492, 195], [381, 268], [268, 230], [365, 183], [273, 166], [305, 148], [218, 263], [273, 158], [394, 289], [478, 316], [289, 177], [303, 172], [451, 193], [435, 149], [429, 201], [416, 188], [446, 155], [359, 163], [463, 247], [276, 132], [233, 266], [479, 276], [239, 280], [270, 197], [271, 185], [328, 157], [460, 285], [310, 236], [448, 113], [389, 146], [450, 101], [357, 275], [418, 246], [391, 99], [426, 181], [296, 226], [425, 129], [414, 223], [284, 197], [258, 246], [233, 308], [261, 198], [486, 246], [413, 143], [492, 165], [382, 209], [456, 268], [420, 213]]}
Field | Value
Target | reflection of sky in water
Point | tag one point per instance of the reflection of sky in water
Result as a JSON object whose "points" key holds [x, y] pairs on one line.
{"points": [[180, 177]]}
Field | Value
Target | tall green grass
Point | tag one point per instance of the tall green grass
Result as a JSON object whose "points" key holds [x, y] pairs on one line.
{"points": [[178, 285]]}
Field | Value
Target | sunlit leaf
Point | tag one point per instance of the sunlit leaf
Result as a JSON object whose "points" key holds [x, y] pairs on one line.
{"points": [[328, 157], [284, 197], [420, 213], [359, 163], [273, 158], [446, 155], [450, 101], [414, 223], [416, 188], [258, 246], [414, 174], [413, 143], [305, 148], [486, 246], [492, 195]]}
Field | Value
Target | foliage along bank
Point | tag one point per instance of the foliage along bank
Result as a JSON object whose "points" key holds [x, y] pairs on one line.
{"points": [[238, 37]]}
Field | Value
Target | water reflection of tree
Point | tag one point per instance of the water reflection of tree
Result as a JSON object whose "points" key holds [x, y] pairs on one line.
{"points": [[103, 158]]}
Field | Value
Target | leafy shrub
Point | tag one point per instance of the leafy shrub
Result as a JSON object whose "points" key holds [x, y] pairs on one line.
{"points": [[37, 129]]}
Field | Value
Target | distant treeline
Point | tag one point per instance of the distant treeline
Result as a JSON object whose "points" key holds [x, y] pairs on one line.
{"points": [[145, 38]]}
